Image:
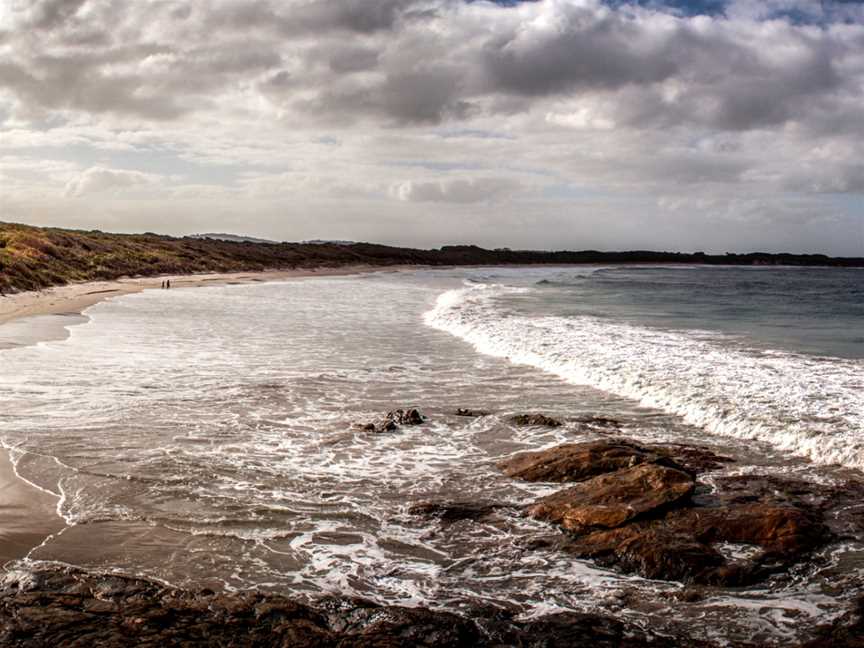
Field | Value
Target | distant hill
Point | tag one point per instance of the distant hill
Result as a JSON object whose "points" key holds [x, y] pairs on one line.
{"points": [[234, 238], [32, 258], [326, 242]]}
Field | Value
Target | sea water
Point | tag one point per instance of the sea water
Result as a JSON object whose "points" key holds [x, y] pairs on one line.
{"points": [[206, 437]]}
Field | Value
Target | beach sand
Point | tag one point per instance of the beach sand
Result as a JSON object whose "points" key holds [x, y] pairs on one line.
{"points": [[28, 515]]}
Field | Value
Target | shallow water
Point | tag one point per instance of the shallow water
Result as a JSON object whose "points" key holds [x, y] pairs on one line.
{"points": [[204, 437]]}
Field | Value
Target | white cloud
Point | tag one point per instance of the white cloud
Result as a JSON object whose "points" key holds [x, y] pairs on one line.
{"points": [[455, 190], [100, 179]]}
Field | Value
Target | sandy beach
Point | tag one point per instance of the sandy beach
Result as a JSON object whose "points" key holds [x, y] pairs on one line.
{"points": [[28, 514]]}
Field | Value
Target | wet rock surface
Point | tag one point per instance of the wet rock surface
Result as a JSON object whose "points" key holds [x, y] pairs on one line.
{"points": [[53, 606], [410, 416], [535, 419], [611, 500], [576, 461], [392, 420], [454, 511], [639, 509], [573, 462], [471, 413]]}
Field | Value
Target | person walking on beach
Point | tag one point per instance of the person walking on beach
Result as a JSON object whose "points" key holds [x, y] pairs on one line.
{"points": [[168, 284], [163, 284]]}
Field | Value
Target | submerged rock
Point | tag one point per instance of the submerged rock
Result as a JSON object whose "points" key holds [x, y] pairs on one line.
{"points": [[464, 411], [611, 500], [540, 420]]}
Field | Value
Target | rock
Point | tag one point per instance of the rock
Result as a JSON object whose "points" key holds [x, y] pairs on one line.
{"points": [[454, 511], [685, 544], [576, 461], [598, 421], [379, 427], [611, 500], [464, 411], [651, 549], [571, 630], [392, 421], [845, 632], [410, 416], [541, 420], [636, 509], [694, 459], [56, 606], [368, 624]]}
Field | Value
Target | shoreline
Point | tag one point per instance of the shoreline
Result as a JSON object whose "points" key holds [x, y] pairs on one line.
{"points": [[28, 515], [74, 299]]}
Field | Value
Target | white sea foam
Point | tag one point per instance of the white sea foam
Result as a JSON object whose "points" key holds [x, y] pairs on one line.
{"points": [[808, 405]]}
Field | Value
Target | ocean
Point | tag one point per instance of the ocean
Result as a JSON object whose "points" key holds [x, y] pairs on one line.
{"points": [[206, 437]]}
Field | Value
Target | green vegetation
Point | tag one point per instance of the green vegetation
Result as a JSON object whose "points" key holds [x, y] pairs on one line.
{"points": [[32, 258]]}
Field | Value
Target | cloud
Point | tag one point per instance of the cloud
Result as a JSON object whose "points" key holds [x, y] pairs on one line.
{"points": [[428, 61], [527, 116], [100, 179], [455, 191]]}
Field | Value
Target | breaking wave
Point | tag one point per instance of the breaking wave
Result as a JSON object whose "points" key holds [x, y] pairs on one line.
{"points": [[812, 406]]}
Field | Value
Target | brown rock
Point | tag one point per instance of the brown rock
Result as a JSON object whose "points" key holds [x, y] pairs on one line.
{"points": [[610, 500], [652, 549], [576, 461], [694, 459], [684, 544]]}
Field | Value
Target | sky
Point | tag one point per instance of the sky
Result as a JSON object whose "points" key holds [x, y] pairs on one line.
{"points": [[584, 124]]}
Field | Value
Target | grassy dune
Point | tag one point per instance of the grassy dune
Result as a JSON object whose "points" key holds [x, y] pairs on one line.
{"points": [[32, 258]]}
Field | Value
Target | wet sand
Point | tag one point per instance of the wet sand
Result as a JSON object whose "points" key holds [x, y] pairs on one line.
{"points": [[28, 515]]}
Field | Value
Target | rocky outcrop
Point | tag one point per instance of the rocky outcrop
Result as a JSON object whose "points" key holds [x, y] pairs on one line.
{"points": [[392, 420], [535, 419], [573, 462], [410, 416], [50, 606], [637, 509], [729, 545], [611, 500]]}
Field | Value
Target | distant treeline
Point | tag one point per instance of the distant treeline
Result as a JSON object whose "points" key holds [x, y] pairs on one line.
{"points": [[32, 258]]}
